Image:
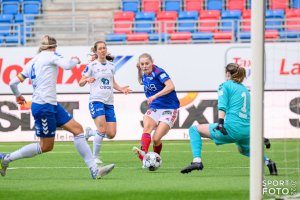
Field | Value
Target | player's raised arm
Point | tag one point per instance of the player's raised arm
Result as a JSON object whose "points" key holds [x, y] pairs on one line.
{"points": [[66, 63]]}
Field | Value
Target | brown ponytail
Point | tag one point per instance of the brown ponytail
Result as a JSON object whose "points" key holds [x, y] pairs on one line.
{"points": [[47, 42], [237, 72]]}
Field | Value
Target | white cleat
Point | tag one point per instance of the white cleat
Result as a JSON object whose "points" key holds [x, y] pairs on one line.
{"points": [[138, 151], [102, 171]]}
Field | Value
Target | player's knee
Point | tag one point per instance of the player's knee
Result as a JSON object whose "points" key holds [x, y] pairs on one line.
{"points": [[46, 148], [111, 135], [243, 151]]}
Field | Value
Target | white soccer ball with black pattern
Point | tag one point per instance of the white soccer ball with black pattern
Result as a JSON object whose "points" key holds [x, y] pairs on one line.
{"points": [[152, 161]]}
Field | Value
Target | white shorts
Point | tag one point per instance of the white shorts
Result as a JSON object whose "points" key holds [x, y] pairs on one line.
{"points": [[168, 116]]}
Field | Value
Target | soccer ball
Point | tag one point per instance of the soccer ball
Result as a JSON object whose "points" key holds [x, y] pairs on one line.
{"points": [[152, 161]]}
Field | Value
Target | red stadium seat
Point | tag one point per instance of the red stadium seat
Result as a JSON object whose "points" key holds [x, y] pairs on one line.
{"points": [[271, 34], [223, 35], [246, 23], [181, 36], [278, 4], [151, 5], [292, 17], [209, 20], [236, 4], [193, 5], [167, 21], [137, 37], [123, 22]]}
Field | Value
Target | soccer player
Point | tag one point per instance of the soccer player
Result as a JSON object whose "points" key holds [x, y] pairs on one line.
{"points": [[47, 112], [100, 75], [163, 104], [234, 120]]}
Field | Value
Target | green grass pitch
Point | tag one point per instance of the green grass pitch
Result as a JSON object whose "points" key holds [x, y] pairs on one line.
{"points": [[61, 174]]}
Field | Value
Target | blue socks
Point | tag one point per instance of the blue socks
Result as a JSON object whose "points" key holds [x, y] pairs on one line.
{"points": [[196, 141]]}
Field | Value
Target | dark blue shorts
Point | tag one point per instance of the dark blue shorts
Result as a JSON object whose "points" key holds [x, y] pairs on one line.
{"points": [[98, 109], [47, 117]]}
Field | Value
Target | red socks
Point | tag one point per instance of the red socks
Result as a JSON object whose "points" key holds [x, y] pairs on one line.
{"points": [[157, 149], [145, 142]]}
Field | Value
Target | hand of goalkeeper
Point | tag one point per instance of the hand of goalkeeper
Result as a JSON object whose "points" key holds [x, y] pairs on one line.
{"points": [[220, 127]]}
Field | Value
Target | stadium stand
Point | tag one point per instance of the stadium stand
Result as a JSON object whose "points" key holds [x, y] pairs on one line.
{"points": [[22, 22]]}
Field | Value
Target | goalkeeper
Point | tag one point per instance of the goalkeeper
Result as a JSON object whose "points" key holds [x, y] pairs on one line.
{"points": [[234, 120]]}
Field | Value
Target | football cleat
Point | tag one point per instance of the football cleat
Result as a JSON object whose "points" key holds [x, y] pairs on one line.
{"points": [[139, 152], [3, 165], [191, 167], [102, 171], [267, 143], [272, 168]]}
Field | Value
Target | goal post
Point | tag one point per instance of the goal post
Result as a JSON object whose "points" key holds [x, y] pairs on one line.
{"points": [[257, 91]]}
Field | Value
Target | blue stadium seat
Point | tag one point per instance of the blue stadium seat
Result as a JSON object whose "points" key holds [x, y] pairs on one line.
{"points": [[158, 37], [31, 8], [144, 22], [18, 1], [214, 4], [111, 37], [231, 18], [131, 5], [10, 8], [172, 5], [5, 21], [289, 34], [245, 35], [295, 3], [274, 19], [187, 21], [200, 36]]}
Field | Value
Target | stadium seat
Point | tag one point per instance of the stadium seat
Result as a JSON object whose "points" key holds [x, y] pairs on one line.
{"points": [[244, 35], [151, 5], [31, 8], [295, 4], [167, 21], [229, 19], [193, 5], [278, 4], [246, 20], [202, 36], [123, 22], [289, 34], [214, 4], [10, 7], [5, 21], [130, 5], [137, 37], [223, 36], [271, 34], [158, 37], [111, 37], [236, 4], [292, 19], [181, 36], [274, 19], [209, 20], [144, 22], [172, 5], [187, 21]]}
